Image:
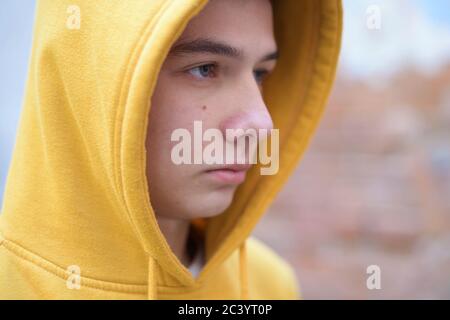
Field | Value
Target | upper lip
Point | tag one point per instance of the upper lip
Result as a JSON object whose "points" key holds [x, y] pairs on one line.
{"points": [[234, 167]]}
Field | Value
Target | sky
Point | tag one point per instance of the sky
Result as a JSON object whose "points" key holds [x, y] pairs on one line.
{"points": [[412, 33], [16, 22]]}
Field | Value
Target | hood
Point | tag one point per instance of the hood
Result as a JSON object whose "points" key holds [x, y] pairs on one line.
{"points": [[77, 193]]}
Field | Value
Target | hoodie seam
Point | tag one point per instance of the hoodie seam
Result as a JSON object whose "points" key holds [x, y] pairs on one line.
{"points": [[123, 101], [121, 104], [20, 252]]}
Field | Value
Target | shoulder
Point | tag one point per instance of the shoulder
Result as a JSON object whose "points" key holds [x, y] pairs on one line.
{"points": [[270, 276]]}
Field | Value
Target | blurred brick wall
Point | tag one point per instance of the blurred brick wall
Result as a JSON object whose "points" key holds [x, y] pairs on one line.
{"points": [[373, 189]]}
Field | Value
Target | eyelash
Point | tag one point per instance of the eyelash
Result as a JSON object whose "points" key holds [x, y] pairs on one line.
{"points": [[263, 73], [259, 74], [214, 65]]}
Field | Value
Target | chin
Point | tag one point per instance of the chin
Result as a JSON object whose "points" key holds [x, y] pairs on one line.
{"points": [[212, 204]]}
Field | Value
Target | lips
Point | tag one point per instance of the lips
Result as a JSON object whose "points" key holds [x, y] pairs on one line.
{"points": [[232, 174]]}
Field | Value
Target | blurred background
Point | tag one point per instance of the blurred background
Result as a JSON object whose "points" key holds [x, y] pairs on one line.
{"points": [[374, 188]]}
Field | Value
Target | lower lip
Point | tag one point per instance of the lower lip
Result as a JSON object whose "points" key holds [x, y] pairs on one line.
{"points": [[228, 176]]}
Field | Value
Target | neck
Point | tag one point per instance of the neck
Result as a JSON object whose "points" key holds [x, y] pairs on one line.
{"points": [[176, 232]]}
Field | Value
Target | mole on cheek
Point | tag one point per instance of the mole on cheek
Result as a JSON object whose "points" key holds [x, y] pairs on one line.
{"points": [[204, 107]]}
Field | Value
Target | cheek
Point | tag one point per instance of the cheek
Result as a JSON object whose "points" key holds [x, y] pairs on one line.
{"points": [[171, 109], [174, 106], [177, 105]]}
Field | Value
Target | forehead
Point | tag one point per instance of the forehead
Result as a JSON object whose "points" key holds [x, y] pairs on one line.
{"points": [[245, 24]]}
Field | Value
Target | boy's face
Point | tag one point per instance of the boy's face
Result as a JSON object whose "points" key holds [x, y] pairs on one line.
{"points": [[213, 74]]}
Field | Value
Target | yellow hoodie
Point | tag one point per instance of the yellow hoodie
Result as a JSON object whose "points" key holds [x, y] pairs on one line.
{"points": [[76, 219]]}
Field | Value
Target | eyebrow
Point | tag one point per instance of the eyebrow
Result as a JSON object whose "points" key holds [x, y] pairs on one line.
{"points": [[205, 45]]}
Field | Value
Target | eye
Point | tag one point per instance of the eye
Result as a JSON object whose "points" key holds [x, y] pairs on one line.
{"points": [[204, 71], [260, 75]]}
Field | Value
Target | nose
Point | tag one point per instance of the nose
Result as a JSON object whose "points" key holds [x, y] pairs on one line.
{"points": [[250, 112]]}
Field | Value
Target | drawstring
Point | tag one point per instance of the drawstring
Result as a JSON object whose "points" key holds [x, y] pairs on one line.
{"points": [[243, 271], [152, 286], [151, 282]]}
